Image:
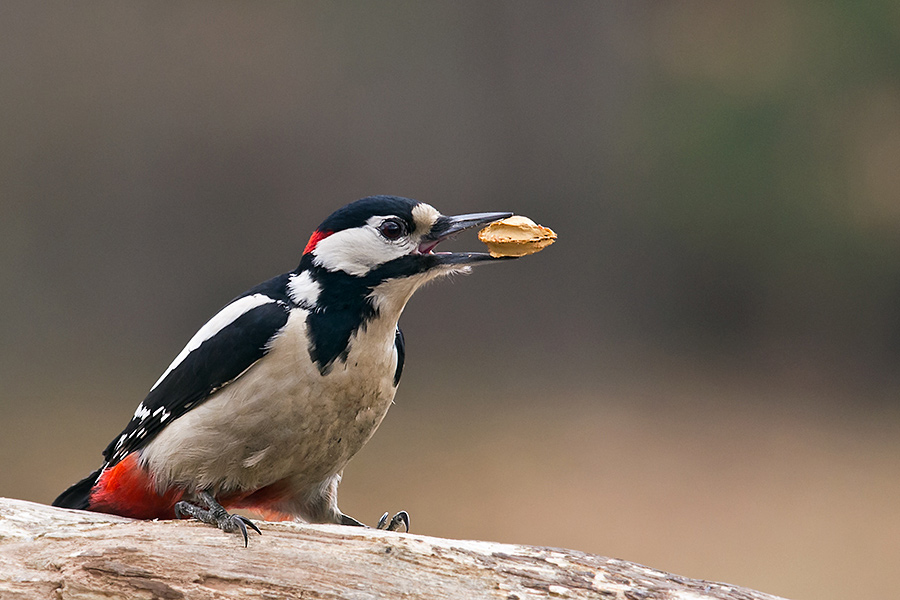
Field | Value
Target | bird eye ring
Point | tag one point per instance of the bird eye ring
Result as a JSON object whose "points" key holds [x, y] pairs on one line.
{"points": [[392, 229]]}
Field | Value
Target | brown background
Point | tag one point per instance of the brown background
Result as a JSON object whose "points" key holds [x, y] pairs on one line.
{"points": [[701, 375]]}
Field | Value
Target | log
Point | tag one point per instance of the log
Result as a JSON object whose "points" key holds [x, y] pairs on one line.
{"points": [[48, 552]]}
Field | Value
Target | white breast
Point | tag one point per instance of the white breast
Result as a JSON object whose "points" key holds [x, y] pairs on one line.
{"points": [[282, 418]]}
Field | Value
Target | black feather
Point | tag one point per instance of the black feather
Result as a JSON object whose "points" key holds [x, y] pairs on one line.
{"points": [[79, 495], [344, 304], [342, 308], [357, 213], [400, 344]]}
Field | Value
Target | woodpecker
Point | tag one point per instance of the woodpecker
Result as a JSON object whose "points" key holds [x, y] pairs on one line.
{"points": [[270, 399]]}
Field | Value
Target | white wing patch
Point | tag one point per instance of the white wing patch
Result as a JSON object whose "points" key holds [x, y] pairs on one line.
{"points": [[162, 414], [141, 412], [223, 319]]}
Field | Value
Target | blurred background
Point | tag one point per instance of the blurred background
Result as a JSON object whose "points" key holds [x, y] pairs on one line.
{"points": [[701, 375]]}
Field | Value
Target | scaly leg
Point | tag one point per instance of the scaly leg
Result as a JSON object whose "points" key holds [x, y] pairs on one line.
{"points": [[214, 514]]}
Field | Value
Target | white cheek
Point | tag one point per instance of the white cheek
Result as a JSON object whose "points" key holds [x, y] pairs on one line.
{"points": [[356, 251]]}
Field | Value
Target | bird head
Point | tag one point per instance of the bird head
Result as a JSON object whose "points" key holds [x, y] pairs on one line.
{"points": [[387, 237], [362, 265]]}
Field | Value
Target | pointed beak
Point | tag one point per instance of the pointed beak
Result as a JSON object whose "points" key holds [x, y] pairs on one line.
{"points": [[447, 227]]}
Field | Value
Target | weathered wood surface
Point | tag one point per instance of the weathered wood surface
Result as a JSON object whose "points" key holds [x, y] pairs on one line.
{"points": [[53, 553]]}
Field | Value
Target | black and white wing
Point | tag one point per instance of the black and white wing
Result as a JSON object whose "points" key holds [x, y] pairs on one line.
{"points": [[220, 352]]}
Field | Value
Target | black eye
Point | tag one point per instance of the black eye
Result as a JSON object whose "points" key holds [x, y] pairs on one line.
{"points": [[392, 229]]}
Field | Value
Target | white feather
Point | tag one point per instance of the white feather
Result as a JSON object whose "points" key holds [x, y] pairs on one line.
{"points": [[303, 289]]}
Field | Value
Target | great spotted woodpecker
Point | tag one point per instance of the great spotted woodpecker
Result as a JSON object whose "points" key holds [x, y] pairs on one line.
{"points": [[271, 398]]}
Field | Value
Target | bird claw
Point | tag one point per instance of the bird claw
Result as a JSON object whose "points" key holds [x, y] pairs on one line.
{"points": [[235, 523], [215, 515], [251, 524], [400, 519]]}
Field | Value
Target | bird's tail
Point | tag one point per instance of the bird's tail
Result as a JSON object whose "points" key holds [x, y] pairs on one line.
{"points": [[79, 495]]}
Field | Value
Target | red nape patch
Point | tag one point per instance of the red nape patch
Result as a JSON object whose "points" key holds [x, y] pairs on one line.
{"points": [[314, 239], [127, 490]]}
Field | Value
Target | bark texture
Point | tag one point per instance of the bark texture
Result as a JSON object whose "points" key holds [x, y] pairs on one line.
{"points": [[55, 553]]}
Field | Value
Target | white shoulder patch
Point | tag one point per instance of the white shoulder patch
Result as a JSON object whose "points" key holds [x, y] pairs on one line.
{"points": [[303, 289], [220, 321]]}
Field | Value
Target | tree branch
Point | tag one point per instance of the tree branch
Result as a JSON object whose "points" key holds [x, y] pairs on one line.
{"points": [[47, 552]]}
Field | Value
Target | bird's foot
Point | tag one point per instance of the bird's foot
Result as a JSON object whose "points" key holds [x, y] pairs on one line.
{"points": [[215, 515], [400, 522]]}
